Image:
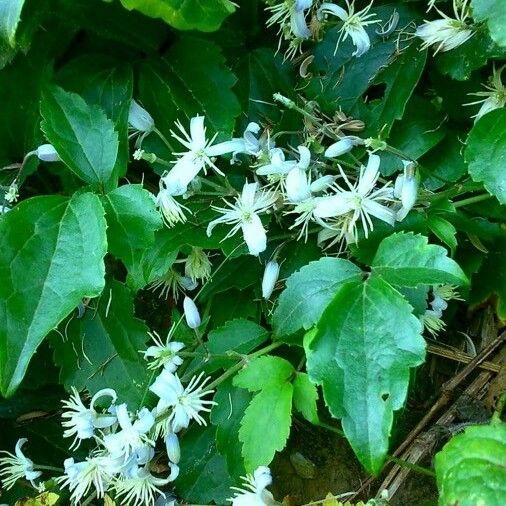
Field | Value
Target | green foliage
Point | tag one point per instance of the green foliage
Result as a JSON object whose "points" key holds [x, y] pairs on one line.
{"points": [[189, 15], [101, 349], [10, 14], [408, 260], [52, 251], [365, 343], [486, 151], [492, 11], [305, 397], [470, 467], [309, 291], [82, 135]]}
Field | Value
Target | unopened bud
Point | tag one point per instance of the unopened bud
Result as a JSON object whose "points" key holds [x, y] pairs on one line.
{"points": [[47, 153], [173, 448], [342, 146], [139, 118], [270, 278], [191, 313]]}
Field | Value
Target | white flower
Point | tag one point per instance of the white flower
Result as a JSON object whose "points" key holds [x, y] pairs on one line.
{"points": [[140, 487], [187, 403], [494, 98], [297, 185], [80, 421], [406, 189], [191, 313], [172, 283], [446, 33], [353, 24], [132, 440], [197, 265], [277, 165], [13, 467], [81, 476], [342, 146], [140, 119], [164, 354], [12, 193], [270, 278], [359, 202], [47, 153], [243, 214], [253, 492], [172, 211], [198, 157]]}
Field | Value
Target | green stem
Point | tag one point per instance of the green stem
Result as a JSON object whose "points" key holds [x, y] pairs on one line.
{"points": [[501, 403], [472, 200], [163, 138], [48, 468], [89, 500]]}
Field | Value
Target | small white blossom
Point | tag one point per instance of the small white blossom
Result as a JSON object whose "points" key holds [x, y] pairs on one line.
{"points": [[47, 153], [132, 439], [172, 211], [243, 214], [254, 492], [446, 33], [277, 165], [12, 193], [172, 283], [270, 278], [494, 98], [358, 203], [140, 488], [16, 466], [164, 354], [197, 265], [79, 421], [354, 24], [406, 189], [342, 146], [191, 313], [173, 448], [80, 477], [140, 119], [186, 403]]}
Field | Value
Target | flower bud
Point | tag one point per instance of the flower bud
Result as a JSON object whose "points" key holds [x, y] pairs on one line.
{"points": [[47, 153], [191, 313], [270, 278], [342, 146], [197, 265], [139, 118], [297, 187], [173, 448]]}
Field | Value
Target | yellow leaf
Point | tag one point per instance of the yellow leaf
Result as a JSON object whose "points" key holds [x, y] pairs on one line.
{"points": [[44, 499], [108, 501]]}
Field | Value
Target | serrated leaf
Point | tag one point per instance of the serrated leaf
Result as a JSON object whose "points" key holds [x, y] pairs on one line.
{"points": [[494, 13], [444, 231], [265, 426], [308, 292], [10, 15], [132, 220], [51, 256], [188, 15], [82, 135], [205, 479], [102, 349], [264, 372], [361, 352], [305, 397], [226, 415], [470, 468], [177, 86], [406, 259], [486, 153]]}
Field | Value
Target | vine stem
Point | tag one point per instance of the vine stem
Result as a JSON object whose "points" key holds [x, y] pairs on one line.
{"points": [[472, 200], [48, 468]]}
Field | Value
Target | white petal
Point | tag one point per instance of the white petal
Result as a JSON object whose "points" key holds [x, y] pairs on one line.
{"points": [[379, 211], [270, 278], [191, 313], [222, 148], [198, 132], [248, 194], [299, 26], [339, 148], [335, 10], [335, 205], [297, 187], [139, 118], [254, 235], [304, 157], [47, 153], [369, 176], [361, 41]]}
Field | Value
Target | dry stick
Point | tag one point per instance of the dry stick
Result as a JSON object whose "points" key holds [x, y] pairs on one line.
{"points": [[460, 356], [447, 391]]}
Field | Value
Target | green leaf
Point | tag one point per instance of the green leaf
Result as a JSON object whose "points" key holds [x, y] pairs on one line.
{"points": [[365, 343], [406, 259], [470, 468], [444, 231], [51, 256], [177, 86], [187, 15], [486, 152], [205, 479], [82, 135], [264, 372], [234, 304], [309, 291], [10, 15], [265, 426], [102, 349], [305, 397], [132, 220], [226, 415], [494, 13]]}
